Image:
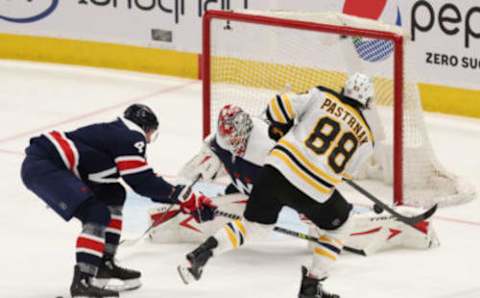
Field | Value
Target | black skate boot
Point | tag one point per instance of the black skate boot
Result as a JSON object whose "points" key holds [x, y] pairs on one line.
{"points": [[82, 287], [312, 287], [197, 259], [113, 277]]}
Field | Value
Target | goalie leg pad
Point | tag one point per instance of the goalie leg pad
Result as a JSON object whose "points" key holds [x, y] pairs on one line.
{"points": [[177, 227], [376, 232]]}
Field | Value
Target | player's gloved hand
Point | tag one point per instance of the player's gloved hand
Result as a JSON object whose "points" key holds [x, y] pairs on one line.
{"points": [[277, 130], [200, 207], [196, 204]]}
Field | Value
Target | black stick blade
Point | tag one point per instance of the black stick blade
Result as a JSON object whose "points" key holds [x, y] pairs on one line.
{"points": [[421, 217]]}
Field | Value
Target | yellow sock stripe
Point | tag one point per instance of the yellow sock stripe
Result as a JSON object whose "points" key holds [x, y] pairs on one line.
{"points": [[329, 178], [232, 237], [331, 241], [280, 155], [347, 176], [276, 111], [323, 252], [241, 227]]}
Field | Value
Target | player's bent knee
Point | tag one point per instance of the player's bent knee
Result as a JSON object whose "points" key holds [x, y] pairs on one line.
{"points": [[257, 231], [93, 211], [331, 215], [112, 194]]}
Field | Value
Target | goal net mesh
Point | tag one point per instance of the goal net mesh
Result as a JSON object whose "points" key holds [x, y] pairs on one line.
{"points": [[250, 63]]}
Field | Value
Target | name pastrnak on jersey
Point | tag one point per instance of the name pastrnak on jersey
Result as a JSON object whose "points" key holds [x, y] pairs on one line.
{"points": [[329, 141]]}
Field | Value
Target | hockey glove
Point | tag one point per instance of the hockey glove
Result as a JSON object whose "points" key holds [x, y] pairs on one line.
{"points": [[205, 163], [199, 206], [277, 130]]}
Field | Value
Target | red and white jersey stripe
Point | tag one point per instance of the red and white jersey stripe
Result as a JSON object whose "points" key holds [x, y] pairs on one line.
{"points": [[131, 164], [115, 225], [67, 150], [87, 243]]}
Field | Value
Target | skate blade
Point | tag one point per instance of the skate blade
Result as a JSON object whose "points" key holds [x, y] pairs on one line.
{"points": [[185, 274], [117, 285], [83, 296]]}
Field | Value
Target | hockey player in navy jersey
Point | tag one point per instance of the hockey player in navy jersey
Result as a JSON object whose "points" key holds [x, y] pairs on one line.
{"points": [[322, 137], [77, 174]]}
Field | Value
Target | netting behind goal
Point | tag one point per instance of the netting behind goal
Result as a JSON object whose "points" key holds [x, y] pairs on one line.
{"points": [[248, 58]]}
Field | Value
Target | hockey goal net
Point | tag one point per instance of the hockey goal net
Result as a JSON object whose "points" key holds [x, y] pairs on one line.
{"points": [[250, 57]]}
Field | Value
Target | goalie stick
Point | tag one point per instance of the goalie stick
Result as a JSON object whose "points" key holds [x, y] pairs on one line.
{"points": [[295, 234], [162, 219], [411, 221]]}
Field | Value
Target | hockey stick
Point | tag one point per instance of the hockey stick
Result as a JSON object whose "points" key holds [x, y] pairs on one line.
{"points": [[411, 221], [292, 233], [162, 219], [315, 239]]}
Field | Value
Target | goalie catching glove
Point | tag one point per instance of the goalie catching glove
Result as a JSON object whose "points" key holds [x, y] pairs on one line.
{"points": [[204, 163], [196, 204]]}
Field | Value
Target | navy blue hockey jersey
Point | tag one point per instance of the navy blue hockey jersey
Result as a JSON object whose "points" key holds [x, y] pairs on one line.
{"points": [[244, 170], [102, 153]]}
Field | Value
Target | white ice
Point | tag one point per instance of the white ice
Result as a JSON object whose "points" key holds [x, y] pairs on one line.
{"points": [[37, 247]]}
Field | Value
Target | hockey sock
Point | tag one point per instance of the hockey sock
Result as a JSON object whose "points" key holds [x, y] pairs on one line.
{"points": [[324, 256], [91, 242], [113, 231], [237, 233], [90, 247], [327, 250], [231, 236]]}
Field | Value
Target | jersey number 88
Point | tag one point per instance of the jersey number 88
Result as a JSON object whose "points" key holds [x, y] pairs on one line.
{"points": [[324, 137]]}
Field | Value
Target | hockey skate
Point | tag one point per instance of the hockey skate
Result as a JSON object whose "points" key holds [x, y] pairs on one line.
{"points": [[113, 277], [312, 287], [83, 288], [197, 259]]}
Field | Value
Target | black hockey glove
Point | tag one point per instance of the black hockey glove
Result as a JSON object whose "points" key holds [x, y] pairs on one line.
{"points": [[277, 130]]}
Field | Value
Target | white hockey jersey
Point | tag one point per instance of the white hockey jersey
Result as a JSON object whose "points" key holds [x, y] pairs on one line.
{"points": [[329, 140]]}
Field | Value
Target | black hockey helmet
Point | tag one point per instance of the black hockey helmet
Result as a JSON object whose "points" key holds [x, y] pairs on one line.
{"points": [[142, 115]]}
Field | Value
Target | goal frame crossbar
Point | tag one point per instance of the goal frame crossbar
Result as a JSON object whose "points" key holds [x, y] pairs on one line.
{"points": [[398, 71]]}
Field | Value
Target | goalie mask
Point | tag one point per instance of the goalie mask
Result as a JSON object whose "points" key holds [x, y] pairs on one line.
{"points": [[359, 88], [234, 127]]}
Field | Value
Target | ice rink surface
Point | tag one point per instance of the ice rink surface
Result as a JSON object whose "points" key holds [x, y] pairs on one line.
{"points": [[37, 248]]}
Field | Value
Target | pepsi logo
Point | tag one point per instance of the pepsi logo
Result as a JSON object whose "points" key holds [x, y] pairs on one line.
{"points": [[374, 50]]}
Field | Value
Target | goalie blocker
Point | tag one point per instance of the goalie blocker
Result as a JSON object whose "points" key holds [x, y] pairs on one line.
{"points": [[371, 232]]}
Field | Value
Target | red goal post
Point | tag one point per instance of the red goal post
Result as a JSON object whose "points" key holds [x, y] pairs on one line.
{"points": [[214, 58]]}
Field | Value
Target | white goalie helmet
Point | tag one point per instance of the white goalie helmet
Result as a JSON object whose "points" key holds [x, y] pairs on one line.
{"points": [[359, 87], [234, 127]]}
